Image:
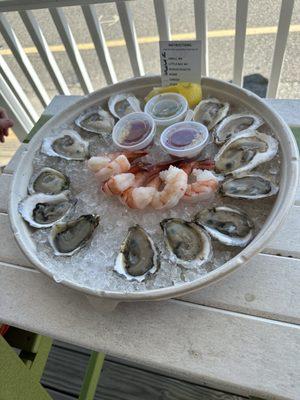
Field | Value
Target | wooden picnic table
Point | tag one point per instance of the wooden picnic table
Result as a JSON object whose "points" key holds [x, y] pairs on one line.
{"points": [[240, 335]]}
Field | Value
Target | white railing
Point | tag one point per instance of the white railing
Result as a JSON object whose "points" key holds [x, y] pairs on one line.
{"points": [[14, 97]]}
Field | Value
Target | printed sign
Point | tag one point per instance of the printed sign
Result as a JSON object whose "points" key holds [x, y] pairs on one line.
{"points": [[180, 61]]}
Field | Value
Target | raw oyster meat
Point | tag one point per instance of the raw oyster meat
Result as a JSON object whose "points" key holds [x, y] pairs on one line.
{"points": [[97, 121], [138, 255], [48, 181], [66, 238], [122, 104], [68, 145], [235, 124], [244, 152], [252, 186], [210, 112], [189, 245], [43, 210], [229, 225]]}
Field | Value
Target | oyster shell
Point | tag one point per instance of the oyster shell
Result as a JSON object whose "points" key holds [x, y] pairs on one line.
{"points": [[48, 181], [210, 112], [97, 121], [235, 124], [68, 145], [244, 152], [252, 186], [66, 238], [228, 225], [187, 242], [43, 210], [138, 255], [122, 104]]}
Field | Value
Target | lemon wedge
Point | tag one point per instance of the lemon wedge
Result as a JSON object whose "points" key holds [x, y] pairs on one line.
{"points": [[191, 91]]}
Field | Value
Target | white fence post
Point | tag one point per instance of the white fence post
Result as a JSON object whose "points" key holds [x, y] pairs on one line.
{"points": [[16, 88], [201, 32], [162, 20], [239, 43], [280, 45], [98, 38], [68, 40], [22, 59], [129, 32], [22, 123], [47, 57]]}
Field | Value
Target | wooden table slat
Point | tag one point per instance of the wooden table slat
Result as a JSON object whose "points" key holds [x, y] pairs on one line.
{"points": [[65, 370], [12, 165], [287, 241], [267, 286], [197, 343], [10, 251], [5, 183]]}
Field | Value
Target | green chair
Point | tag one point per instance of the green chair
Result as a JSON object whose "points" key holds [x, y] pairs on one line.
{"points": [[23, 356]]}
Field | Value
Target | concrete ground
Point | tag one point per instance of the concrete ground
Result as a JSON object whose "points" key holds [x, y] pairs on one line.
{"points": [[263, 14]]}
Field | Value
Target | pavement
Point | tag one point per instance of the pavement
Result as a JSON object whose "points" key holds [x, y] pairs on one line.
{"points": [[262, 22]]}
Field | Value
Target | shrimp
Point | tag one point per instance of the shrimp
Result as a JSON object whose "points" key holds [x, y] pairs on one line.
{"points": [[205, 182], [140, 195], [188, 166], [203, 188], [175, 185], [112, 164], [114, 167], [117, 184]]}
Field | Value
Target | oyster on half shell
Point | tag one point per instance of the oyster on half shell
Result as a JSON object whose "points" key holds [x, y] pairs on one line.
{"points": [[48, 181], [96, 121], [210, 112], [244, 152], [68, 145], [138, 255], [235, 124], [43, 210], [68, 237], [229, 225], [187, 242], [251, 186], [122, 104]]}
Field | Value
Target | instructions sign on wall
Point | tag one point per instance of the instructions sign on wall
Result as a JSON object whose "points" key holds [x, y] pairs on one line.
{"points": [[180, 61]]}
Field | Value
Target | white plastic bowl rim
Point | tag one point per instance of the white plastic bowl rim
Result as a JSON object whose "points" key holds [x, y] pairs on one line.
{"points": [[212, 88], [172, 119], [187, 151], [142, 116]]}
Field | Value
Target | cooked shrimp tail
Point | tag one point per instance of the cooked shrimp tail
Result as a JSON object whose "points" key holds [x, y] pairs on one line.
{"points": [[204, 188], [118, 184], [174, 182]]}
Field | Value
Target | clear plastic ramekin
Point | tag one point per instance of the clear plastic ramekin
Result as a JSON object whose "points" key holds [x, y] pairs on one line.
{"points": [[190, 138], [158, 104], [130, 121]]}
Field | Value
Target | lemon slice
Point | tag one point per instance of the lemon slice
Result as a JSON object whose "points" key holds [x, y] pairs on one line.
{"points": [[191, 91]]}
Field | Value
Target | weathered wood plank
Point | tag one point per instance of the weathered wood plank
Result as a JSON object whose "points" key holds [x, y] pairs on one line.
{"points": [[197, 343], [5, 183], [13, 163], [10, 252], [287, 241], [65, 370], [59, 396], [264, 287], [288, 109]]}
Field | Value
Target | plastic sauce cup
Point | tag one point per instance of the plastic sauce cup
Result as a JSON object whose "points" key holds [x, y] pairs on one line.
{"points": [[134, 131], [185, 139], [167, 108]]}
